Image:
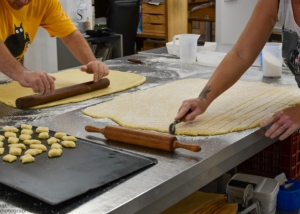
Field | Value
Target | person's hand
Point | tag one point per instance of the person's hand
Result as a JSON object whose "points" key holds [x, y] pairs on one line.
{"points": [[40, 82], [195, 105], [283, 123], [97, 68]]}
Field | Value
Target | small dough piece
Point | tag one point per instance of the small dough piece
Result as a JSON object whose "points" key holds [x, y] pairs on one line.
{"points": [[2, 151], [52, 140], [29, 142], [27, 158], [26, 126], [25, 137], [39, 146], [43, 135], [68, 143], [2, 138], [10, 134], [54, 153], [18, 145], [33, 152], [42, 129], [13, 140], [15, 151], [1, 144], [60, 134], [26, 131], [10, 129], [56, 146], [9, 158], [71, 138]]}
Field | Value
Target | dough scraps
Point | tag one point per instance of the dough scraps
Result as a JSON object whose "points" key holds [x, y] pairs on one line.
{"points": [[119, 81], [241, 107]]}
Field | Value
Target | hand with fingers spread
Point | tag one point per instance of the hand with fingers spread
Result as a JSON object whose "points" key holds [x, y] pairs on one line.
{"points": [[283, 123], [40, 82], [97, 68]]}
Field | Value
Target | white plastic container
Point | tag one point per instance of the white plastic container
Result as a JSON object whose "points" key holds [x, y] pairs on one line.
{"points": [[208, 46], [210, 58], [264, 191], [272, 59], [187, 47]]}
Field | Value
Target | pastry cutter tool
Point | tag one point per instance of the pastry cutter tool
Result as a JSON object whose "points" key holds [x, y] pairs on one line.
{"points": [[172, 128]]}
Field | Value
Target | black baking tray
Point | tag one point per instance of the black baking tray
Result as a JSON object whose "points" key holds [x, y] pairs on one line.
{"points": [[76, 171]]}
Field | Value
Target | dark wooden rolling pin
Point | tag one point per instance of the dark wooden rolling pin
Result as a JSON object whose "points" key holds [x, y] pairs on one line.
{"points": [[143, 138], [39, 99]]}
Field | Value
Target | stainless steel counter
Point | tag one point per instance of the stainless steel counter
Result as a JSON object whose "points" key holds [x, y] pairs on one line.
{"points": [[175, 176]]}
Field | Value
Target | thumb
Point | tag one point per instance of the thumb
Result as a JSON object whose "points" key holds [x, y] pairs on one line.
{"points": [[83, 68]]}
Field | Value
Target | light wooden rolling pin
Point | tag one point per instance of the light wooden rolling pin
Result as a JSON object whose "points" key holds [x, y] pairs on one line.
{"points": [[38, 99], [143, 138]]}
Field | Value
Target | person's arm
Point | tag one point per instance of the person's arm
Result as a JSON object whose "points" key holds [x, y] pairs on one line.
{"points": [[238, 59], [40, 82], [79, 47]]}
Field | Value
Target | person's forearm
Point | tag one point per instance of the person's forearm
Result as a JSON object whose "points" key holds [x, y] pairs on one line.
{"points": [[79, 47], [244, 52], [227, 74], [8, 64]]}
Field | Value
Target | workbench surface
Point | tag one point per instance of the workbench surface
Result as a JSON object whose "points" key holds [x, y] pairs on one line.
{"points": [[175, 176]]}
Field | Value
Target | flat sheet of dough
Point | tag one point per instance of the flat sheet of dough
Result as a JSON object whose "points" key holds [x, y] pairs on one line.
{"points": [[241, 107], [119, 81]]}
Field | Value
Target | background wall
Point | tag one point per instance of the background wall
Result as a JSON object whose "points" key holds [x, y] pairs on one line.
{"points": [[231, 19], [42, 53]]}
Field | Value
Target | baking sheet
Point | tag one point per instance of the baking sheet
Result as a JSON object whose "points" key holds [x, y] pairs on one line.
{"points": [[76, 171]]}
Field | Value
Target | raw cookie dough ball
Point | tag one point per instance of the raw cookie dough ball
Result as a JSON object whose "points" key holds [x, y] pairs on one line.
{"points": [[26, 126], [9, 158], [26, 131], [10, 129], [17, 145], [1, 144], [43, 135], [59, 134], [15, 151], [42, 129], [39, 146], [10, 134], [54, 153], [56, 146], [2, 138], [29, 142], [52, 140], [33, 152], [25, 137], [13, 140], [26, 158], [68, 143], [2, 151], [71, 138]]}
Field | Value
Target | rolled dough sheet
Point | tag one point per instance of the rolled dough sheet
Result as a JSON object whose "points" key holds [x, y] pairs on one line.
{"points": [[119, 81], [241, 107]]}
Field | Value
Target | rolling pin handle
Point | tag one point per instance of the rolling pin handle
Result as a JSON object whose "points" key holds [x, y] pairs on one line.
{"points": [[94, 129], [134, 60], [191, 147]]}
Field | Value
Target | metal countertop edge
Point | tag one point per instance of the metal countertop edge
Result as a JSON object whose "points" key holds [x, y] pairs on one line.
{"points": [[163, 196]]}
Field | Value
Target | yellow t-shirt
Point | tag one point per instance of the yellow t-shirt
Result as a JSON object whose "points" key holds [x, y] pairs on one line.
{"points": [[19, 27]]}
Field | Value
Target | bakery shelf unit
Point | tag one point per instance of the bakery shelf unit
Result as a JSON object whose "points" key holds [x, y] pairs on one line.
{"points": [[161, 22]]}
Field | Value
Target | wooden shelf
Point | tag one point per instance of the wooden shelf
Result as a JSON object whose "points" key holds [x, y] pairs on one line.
{"points": [[151, 36], [163, 22]]}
